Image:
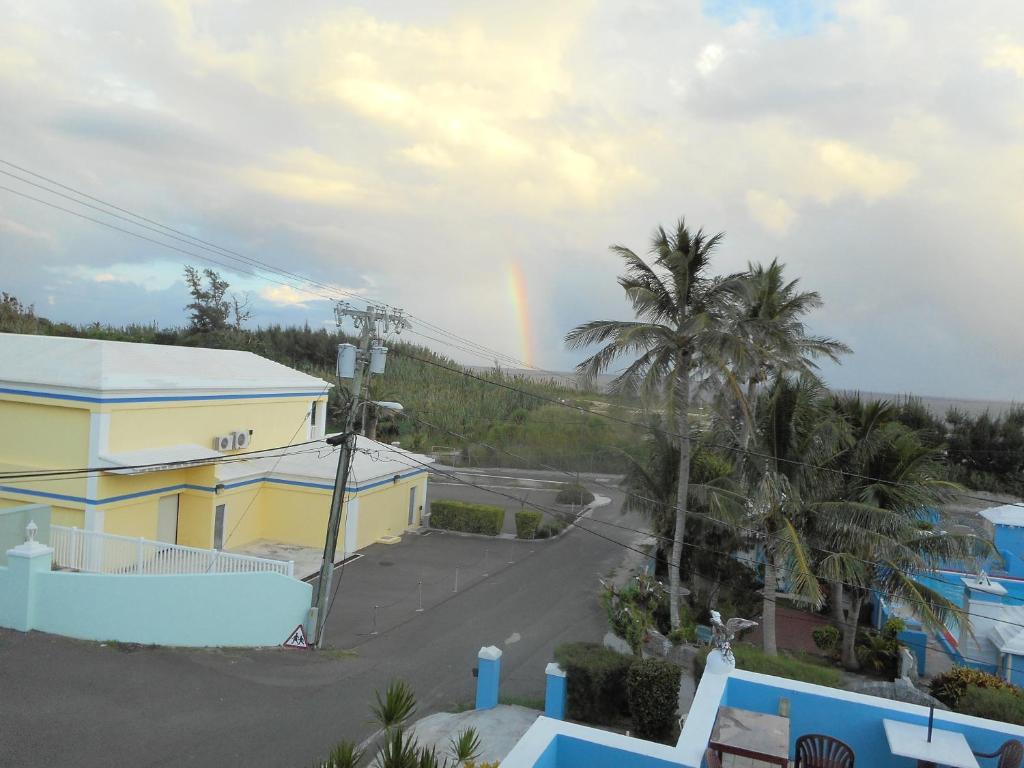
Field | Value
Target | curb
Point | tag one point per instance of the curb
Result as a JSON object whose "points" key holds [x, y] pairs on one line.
{"points": [[599, 501]]}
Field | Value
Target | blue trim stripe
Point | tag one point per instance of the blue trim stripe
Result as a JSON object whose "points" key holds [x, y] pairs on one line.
{"points": [[155, 399], [200, 488]]}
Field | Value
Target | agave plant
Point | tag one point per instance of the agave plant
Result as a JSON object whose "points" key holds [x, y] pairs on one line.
{"points": [[345, 755], [465, 746], [395, 707]]}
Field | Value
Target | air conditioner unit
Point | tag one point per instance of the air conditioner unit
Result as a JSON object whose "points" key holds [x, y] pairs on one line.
{"points": [[242, 438], [224, 443]]}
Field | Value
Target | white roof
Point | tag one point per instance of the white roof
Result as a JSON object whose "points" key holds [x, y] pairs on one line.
{"points": [[1007, 514], [92, 365], [157, 459], [1007, 633], [317, 463]]}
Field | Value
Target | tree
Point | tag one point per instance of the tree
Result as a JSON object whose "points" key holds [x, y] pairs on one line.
{"points": [[875, 534], [209, 309], [792, 436], [767, 336], [679, 309]]}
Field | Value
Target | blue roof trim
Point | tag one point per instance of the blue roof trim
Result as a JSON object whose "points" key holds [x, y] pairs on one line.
{"points": [[156, 399], [201, 488]]}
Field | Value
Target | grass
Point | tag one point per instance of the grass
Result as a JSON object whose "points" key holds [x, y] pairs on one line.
{"points": [[341, 653], [522, 701], [800, 667]]}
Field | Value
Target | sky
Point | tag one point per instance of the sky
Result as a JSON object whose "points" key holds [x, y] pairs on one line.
{"points": [[472, 162]]}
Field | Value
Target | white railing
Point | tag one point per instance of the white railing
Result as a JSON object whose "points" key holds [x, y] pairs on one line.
{"points": [[96, 552]]}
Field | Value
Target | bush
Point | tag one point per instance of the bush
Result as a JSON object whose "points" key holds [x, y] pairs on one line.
{"points": [[595, 682], [631, 609], [653, 688], [803, 668], [993, 704], [826, 638], [574, 493], [949, 687], [549, 529], [527, 523], [468, 518]]}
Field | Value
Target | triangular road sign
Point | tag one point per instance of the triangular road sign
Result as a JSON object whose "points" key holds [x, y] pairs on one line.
{"points": [[297, 639]]}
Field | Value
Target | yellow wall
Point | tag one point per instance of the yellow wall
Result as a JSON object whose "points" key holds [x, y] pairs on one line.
{"points": [[384, 511], [243, 515], [296, 515], [138, 518], [72, 518], [146, 425], [195, 519], [40, 434]]}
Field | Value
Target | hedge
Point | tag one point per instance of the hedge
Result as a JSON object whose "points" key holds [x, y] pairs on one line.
{"points": [[527, 523], [792, 668], [595, 682], [552, 528], [1003, 704], [653, 690], [951, 685], [468, 518], [573, 493]]}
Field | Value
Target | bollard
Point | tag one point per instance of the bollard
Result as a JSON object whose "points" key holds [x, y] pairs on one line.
{"points": [[488, 677], [554, 692], [486, 574], [456, 579], [374, 630], [420, 609]]}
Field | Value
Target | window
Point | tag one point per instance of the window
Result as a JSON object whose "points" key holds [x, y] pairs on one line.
{"points": [[312, 414]]}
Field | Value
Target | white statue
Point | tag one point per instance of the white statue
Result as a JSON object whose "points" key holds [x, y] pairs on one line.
{"points": [[722, 634]]}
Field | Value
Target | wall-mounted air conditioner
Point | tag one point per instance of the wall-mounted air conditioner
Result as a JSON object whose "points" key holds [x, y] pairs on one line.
{"points": [[242, 438], [224, 443]]}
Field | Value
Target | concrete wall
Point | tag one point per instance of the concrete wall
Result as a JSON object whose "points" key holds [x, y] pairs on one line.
{"points": [[43, 433], [233, 609], [1009, 542], [12, 526]]}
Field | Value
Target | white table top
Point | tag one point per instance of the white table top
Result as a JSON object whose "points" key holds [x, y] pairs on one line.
{"points": [[946, 747]]}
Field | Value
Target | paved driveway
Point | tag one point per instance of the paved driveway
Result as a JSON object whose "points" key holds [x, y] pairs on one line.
{"points": [[67, 702]]}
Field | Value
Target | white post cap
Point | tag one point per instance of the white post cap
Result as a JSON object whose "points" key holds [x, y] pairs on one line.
{"points": [[553, 670], [489, 653]]}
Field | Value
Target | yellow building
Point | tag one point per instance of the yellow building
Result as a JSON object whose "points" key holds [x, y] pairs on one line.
{"points": [[138, 411]]}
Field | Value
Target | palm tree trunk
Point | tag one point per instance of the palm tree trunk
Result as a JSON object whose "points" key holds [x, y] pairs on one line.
{"points": [[768, 597], [849, 630], [836, 600], [683, 487], [748, 413]]}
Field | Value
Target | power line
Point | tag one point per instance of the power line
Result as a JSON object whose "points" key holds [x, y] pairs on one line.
{"points": [[669, 433], [575, 521]]}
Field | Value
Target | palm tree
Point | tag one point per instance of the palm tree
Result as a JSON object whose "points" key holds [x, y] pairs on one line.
{"points": [[767, 335], [792, 436], [874, 533], [679, 310]]}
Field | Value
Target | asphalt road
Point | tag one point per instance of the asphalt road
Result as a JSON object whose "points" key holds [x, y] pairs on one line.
{"points": [[66, 702]]}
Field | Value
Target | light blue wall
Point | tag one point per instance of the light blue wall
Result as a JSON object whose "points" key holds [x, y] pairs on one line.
{"points": [[1010, 544], [9, 601], [858, 724], [573, 753], [222, 609]]}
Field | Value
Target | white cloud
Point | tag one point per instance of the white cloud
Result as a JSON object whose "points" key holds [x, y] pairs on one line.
{"points": [[771, 212], [710, 58]]}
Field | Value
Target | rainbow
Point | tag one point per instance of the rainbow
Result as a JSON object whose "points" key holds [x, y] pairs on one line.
{"points": [[517, 292]]}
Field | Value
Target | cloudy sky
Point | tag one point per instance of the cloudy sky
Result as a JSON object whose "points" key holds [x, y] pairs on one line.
{"points": [[472, 162]]}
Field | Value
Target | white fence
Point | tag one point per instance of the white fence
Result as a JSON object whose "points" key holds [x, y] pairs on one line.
{"points": [[95, 552]]}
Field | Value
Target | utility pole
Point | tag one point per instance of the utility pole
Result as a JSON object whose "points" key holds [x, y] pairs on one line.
{"points": [[373, 324]]}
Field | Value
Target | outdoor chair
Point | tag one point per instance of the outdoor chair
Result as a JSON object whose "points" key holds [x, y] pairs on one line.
{"points": [[1010, 755], [712, 759], [815, 750]]}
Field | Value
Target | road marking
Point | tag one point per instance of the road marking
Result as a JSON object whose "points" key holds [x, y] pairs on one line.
{"points": [[515, 637]]}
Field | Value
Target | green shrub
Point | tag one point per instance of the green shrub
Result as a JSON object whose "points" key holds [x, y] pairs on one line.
{"points": [[468, 518], [684, 633], [631, 609], [804, 668], [826, 638], [653, 689], [551, 528], [993, 704], [595, 682], [949, 687], [527, 523], [574, 493]]}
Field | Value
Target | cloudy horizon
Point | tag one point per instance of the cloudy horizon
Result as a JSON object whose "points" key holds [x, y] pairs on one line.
{"points": [[472, 162]]}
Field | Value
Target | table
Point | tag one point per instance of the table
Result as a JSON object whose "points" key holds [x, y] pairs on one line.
{"points": [[946, 747], [751, 734]]}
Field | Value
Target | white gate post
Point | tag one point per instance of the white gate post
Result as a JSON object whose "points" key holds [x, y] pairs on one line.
{"points": [[138, 561]]}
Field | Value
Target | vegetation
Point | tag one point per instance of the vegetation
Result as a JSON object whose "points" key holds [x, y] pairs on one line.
{"points": [[468, 518], [653, 688], [879, 652], [527, 522], [950, 686], [631, 610], [574, 493], [550, 528], [396, 747], [680, 310], [1001, 704], [596, 689], [826, 639], [807, 669]]}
